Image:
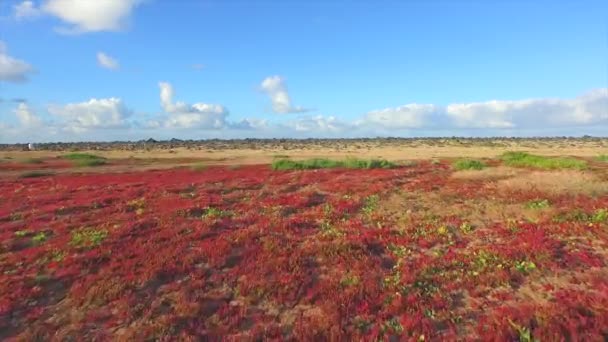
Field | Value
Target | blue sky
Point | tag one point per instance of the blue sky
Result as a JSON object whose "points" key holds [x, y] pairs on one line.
{"points": [[95, 70]]}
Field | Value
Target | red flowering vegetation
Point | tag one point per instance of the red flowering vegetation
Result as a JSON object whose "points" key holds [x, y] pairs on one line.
{"points": [[409, 253]]}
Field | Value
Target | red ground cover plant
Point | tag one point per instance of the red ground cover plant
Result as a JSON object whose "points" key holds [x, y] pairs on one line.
{"points": [[251, 253]]}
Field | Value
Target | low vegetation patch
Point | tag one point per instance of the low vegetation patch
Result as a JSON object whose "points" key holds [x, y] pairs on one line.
{"points": [[85, 159], [538, 204], [39, 238], [198, 167], [211, 212], [34, 174], [88, 237], [469, 164], [524, 159], [319, 163], [34, 161], [578, 215], [603, 158]]}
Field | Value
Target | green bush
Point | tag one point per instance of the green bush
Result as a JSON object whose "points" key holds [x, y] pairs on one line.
{"points": [[34, 174], [538, 204], [320, 163], [469, 164], [34, 161], [88, 237], [85, 159], [524, 159]]}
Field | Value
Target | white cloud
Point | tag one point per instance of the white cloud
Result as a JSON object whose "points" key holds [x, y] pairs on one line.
{"points": [[250, 124], [106, 61], [276, 89], [182, 115], [319, 123], [26, 116], [492, 114], [92, 114], [25, 10], [12, 69], [91, 15], [407, 116], [589, 108]]}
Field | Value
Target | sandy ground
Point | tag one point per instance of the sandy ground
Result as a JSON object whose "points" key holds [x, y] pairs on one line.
{"points": [[256, 156]]}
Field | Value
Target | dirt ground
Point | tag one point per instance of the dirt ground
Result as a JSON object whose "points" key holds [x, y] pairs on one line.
{"points": [[248, 156]]}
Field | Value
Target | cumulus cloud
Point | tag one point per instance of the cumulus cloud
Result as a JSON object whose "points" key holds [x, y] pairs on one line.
{"points": [[91, 15], [26, 10], [106, 61], [586, 109], [276, 89], [12, 69], [92, 114], [589, 108], [319, 123], [182, 115], [26, 116], [406, 116], [250, 124]]}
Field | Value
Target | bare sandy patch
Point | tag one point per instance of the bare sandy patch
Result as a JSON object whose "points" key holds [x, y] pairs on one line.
{"points": [[490, 173], [556, 182]]}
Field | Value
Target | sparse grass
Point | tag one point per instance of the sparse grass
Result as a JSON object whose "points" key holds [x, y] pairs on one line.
{"points": [[34, 174], [523, 159], [349, 280], [524, 334], [525, 266], [538, 204], [468, 164], [320, 163], [556, 182], [85, 159], [598, 216], [603, 158], [22, 233], [211, 212], [16, 216], [33, 161], [198, 167], [408, 163], [88, 237], [370, 204], [39, 238]]}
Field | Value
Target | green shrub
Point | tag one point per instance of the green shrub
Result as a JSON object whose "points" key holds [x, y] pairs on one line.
{"points": [[22, 233], [524, 159], [39, 238], [85, 159], [538, 204], [88, 237], [81, 156], [469, 164], [34, 161], [34, 174], [211, 212], [320, 163]]}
